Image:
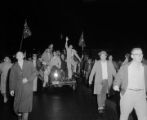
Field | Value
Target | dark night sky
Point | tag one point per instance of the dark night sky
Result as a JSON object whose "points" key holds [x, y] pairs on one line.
{"points": [[116, 26]]}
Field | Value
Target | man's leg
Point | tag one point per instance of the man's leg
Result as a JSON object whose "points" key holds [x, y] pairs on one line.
{"points": [[5, 97], [74, 66], [25, 116], [19, 116], [99, 101], [3, 89], [45, 78], [104, 91], [69, 70], [35, 84], [46, 74], [141, 106], [126, 105]]}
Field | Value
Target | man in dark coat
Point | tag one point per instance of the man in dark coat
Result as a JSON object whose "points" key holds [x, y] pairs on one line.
{"points": [[22, 75]]}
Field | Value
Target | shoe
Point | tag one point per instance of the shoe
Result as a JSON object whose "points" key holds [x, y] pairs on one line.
{"points": [[101, 110], [19, 117]]}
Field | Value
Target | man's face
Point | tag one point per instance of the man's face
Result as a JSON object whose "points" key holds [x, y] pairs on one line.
{"points": [[110, 57], [34, 57], [137, 55], [7, 59], [70, 46], [103, 57], [19, 56], [54, 53]]}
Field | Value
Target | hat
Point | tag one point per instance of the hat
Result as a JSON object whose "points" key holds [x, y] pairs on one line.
{"points": [[102, 52]]}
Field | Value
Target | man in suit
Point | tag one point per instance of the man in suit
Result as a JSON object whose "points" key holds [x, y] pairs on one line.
{"points": [[22, 75], [131, 81], [104, 72]]}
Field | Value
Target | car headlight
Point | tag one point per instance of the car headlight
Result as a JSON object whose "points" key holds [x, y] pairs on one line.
{"points": [[55, 74]]}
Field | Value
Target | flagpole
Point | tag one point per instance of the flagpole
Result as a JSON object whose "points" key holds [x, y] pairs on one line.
{"points": [[82, 50], [26, 33], [21, 43], [20, 47]]}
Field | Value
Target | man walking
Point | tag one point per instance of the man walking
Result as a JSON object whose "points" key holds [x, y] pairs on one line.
{"points": [[131, 80], [104, 72], [22, 75]]}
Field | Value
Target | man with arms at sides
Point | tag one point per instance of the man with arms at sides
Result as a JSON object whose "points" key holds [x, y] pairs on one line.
{"points": [[104, 71], [4, 69], [131, 81], [22, 75]]}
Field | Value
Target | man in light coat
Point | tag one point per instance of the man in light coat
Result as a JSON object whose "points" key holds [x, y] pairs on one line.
{"points": [[131, 81], [4, 69], [104, 72]]}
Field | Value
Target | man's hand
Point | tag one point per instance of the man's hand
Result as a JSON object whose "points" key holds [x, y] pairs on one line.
{"points": [[116, 88], [90, 82], [12, 92], [67, 38], [24, 80]]}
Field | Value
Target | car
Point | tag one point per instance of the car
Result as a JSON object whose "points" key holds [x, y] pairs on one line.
{"points": [[58, 78]]}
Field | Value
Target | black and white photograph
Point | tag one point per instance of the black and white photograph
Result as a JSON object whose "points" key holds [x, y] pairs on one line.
{"points": [[73, 60]]}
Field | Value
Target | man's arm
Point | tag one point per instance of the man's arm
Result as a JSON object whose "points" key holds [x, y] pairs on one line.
{"points": [[75, 53], [66, 43], [113, 69], [118, 79], [92, 73], [12, 80], [33, 72]]}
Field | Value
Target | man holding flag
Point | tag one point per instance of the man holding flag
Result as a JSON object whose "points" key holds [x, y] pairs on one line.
{"points": [[70, 58]]}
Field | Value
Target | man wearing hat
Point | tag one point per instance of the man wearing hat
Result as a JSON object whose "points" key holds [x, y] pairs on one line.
{"points": [[104, 71]]}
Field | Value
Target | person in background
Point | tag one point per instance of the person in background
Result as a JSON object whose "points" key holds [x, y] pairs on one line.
{"points": [[46, 59], [55, 61], [34, 60], [70, 56], [113, 62], [104, 71], [127, 58], [4, 70], [131, 81], [22, 75], [47, 55], [63, 66]]}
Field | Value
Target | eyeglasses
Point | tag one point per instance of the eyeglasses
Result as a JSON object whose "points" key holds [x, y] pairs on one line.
{"points": [[137, 54]]}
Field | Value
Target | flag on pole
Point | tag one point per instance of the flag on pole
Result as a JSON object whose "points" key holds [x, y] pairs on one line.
{"points": [[82, 41], [26, 32]]}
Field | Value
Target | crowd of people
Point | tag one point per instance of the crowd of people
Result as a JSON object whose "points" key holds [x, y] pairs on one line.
{"points": [[129, 77]]}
